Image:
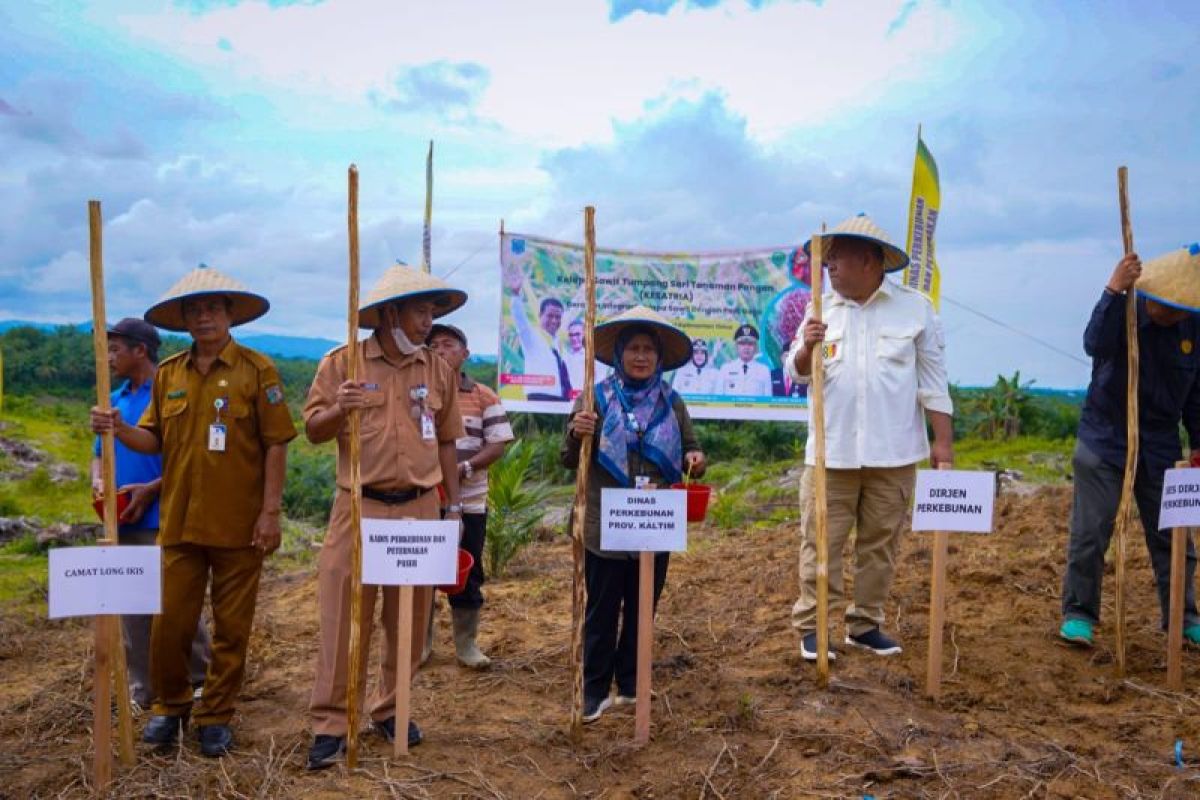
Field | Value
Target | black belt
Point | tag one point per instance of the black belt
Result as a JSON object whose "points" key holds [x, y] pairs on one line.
{"points": [[393, 498]]}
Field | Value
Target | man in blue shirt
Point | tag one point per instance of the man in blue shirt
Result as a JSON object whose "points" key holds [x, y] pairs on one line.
{"points": [[133, 355], [1168, 395]]}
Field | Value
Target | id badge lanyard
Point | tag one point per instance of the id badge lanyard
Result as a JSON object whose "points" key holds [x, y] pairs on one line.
{"points": [[216, 431]]}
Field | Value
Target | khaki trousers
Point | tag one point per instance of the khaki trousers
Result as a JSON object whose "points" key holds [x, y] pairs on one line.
{"points": [[186, 567], [875, 501], [327, 706]]}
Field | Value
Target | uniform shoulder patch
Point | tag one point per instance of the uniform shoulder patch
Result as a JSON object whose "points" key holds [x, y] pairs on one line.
{"points": [[274, 394]]}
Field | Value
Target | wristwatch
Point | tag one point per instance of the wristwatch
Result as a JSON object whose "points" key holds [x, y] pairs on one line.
{"points": [[454, 509], [468, 470]]}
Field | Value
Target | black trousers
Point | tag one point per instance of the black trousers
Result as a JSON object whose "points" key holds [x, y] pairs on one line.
{"points": [[1094, 508], [474, 534], [612, 603]]}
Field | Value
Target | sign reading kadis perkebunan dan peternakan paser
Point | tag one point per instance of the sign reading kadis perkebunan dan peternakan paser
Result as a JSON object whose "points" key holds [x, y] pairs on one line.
{"points": [[1180, 507], [954, 500], [640, 520], [409, 552], [86, 581]]}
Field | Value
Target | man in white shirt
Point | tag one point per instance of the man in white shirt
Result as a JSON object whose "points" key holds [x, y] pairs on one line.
{"points": [[885, 376], [575, 359], [698, 376], [745, 376], [539, 345]]}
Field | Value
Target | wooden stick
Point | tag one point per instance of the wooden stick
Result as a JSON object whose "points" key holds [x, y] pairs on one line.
{"points": [[427, 230], [1125, 508], [354, 676], [403, 673], [816, 408], [581, 475], [1179, 542], [645, 647], [937, 610], [107, 630]]}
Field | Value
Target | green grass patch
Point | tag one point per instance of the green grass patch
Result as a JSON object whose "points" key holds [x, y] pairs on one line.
{"points": [[1039, 460], [23, 580]]}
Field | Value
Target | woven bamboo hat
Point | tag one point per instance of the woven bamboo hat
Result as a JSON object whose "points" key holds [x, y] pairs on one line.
{"points": [[204, 280], [1173, 279], [402, 282], [677, 347], [863, 227]]}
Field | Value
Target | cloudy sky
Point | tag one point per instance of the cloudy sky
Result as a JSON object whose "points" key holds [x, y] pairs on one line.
{"points": [[220, 131]]}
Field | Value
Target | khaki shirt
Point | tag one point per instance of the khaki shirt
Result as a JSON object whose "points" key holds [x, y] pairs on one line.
{"points": [[208, 497], [393, 456]]}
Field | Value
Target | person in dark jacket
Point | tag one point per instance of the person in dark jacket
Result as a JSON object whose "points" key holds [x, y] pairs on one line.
{"points": [[646, 440], [1168, 395]]}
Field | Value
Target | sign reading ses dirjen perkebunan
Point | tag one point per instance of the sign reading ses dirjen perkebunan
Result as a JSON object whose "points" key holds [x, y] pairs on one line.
{"points": [[1180, 506], [409, 552], [643, 520], [86, 581], [954, 500]]}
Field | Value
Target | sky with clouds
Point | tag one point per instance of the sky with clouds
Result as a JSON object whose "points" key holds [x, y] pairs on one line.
{"points": [[220, 131]]}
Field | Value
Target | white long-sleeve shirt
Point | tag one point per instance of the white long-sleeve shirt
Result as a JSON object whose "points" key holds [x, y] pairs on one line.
{"points": [[690, 379], [884, 367], [537, 348], [744, 378]]}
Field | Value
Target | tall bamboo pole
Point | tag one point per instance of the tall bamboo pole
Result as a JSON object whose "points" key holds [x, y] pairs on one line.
{"points": [[816, 408], [355, 675], [108, 646], [581, 474], [1125, 509], [937, 610], [427, 230]]}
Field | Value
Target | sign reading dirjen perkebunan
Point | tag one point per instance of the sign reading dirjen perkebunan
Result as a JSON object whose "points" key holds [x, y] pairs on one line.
{"points": [[954, 500], [1180, 507]]}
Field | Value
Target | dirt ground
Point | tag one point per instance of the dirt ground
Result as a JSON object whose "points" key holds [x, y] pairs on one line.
{"points": [[736, 712]]}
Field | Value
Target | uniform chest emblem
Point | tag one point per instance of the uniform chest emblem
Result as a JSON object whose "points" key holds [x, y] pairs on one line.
{"points": [[175, 395], [829, 350], [1186, 346]]}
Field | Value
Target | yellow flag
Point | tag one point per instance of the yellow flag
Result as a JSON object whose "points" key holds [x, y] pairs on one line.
{"points": [[922, 272]]}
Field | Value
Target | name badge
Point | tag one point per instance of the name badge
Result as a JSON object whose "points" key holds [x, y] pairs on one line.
{"points": [[216, 438], [428, 432]]}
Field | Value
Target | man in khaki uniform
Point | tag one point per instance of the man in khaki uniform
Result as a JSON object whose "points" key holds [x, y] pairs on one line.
{"points": [[217, 414], [410, 421]]}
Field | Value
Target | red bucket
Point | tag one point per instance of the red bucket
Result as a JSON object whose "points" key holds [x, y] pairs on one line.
{"points": [[697, 499], [465, 562], [123, 499]]}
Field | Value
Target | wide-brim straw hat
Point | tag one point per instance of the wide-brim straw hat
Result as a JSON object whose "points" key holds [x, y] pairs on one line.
{"points": [[1173, 279], [402, 282], [677, 346], [863, 227], [246, 306]]}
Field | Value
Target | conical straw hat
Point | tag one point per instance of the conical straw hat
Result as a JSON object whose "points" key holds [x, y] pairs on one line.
{"points": [[677, 347], [401, 282], [204, 280], [863, 227], [1173, 279]]}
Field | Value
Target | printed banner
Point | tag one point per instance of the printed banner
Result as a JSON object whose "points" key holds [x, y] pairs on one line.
{"points": [[922, 272], [741, 309]]}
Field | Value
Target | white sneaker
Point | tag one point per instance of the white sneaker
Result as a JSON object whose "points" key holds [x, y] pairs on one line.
{"points": [[592, 709]]}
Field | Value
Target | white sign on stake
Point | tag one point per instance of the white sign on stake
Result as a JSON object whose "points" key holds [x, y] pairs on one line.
{"points": [[954, 500], [642, 520], [86, 581], [409, 552], [1180, 507]]}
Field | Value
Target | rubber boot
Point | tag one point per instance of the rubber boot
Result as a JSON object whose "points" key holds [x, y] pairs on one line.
{"points": [[427, 648], [466, 628]]}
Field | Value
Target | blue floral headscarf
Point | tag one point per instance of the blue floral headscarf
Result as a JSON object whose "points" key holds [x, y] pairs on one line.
{"points": [[627, 407]]}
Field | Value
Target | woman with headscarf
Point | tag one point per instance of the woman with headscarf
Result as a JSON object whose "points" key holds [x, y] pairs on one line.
{"points": [[646, 440]]}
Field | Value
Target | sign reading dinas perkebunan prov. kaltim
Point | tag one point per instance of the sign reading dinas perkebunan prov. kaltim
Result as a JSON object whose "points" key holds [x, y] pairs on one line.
{"points": [[954, 500], [86, 581], [643, 520], [409, 552], [1180, 507]]}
